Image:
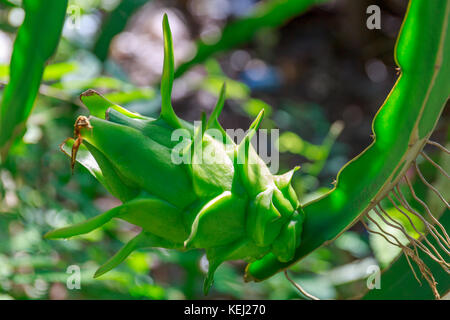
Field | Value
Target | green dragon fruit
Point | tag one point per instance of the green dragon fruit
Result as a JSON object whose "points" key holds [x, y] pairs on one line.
{"points": [[206, 192]]}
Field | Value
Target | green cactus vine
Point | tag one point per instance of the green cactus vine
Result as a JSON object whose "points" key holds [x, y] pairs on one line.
{"points": [[225, 201]]}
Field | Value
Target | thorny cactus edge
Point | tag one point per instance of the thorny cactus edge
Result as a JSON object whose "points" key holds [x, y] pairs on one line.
{"points": [[233, 208]]}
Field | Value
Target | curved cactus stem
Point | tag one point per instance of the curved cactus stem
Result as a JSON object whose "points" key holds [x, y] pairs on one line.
{"points": [[83, 227], [142, 240], [36, 41], [167, 112]]}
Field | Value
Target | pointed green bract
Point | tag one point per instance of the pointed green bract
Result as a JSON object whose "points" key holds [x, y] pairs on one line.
{"points": [[284, 183], [98, 105], [218, 108], [264, 221], [83, 227], [213, 122], [120, 256], [219, 222], [167, 112], [85, 158], [142, 240], [155, 216], [113, 180], [146, 156]]}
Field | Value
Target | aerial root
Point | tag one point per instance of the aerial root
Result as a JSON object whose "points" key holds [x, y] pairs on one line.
{"points": [[429, 227], [435, 164], [429, 185], [402, 205], [408, 252], [439, 146], [299, 288], [434, 253], [427, 209]]}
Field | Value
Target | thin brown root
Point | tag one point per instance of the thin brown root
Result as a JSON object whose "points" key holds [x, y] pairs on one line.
{"points": [[435, 164], [439, 146], [299, 288], [438, 258], [399, 243], [397, 226], [431, 224], [424, 270], [405, 214], [412, 268], [427, 209], [409, 253], [378, 233], [429, 185], [413, 241], [431, 229]]}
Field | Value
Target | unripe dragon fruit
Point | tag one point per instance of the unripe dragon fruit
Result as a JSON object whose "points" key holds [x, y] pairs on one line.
{"points": [[225, 201]]}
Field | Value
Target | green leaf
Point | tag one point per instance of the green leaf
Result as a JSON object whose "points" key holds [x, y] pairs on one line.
{"points": [[36, 41]]}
